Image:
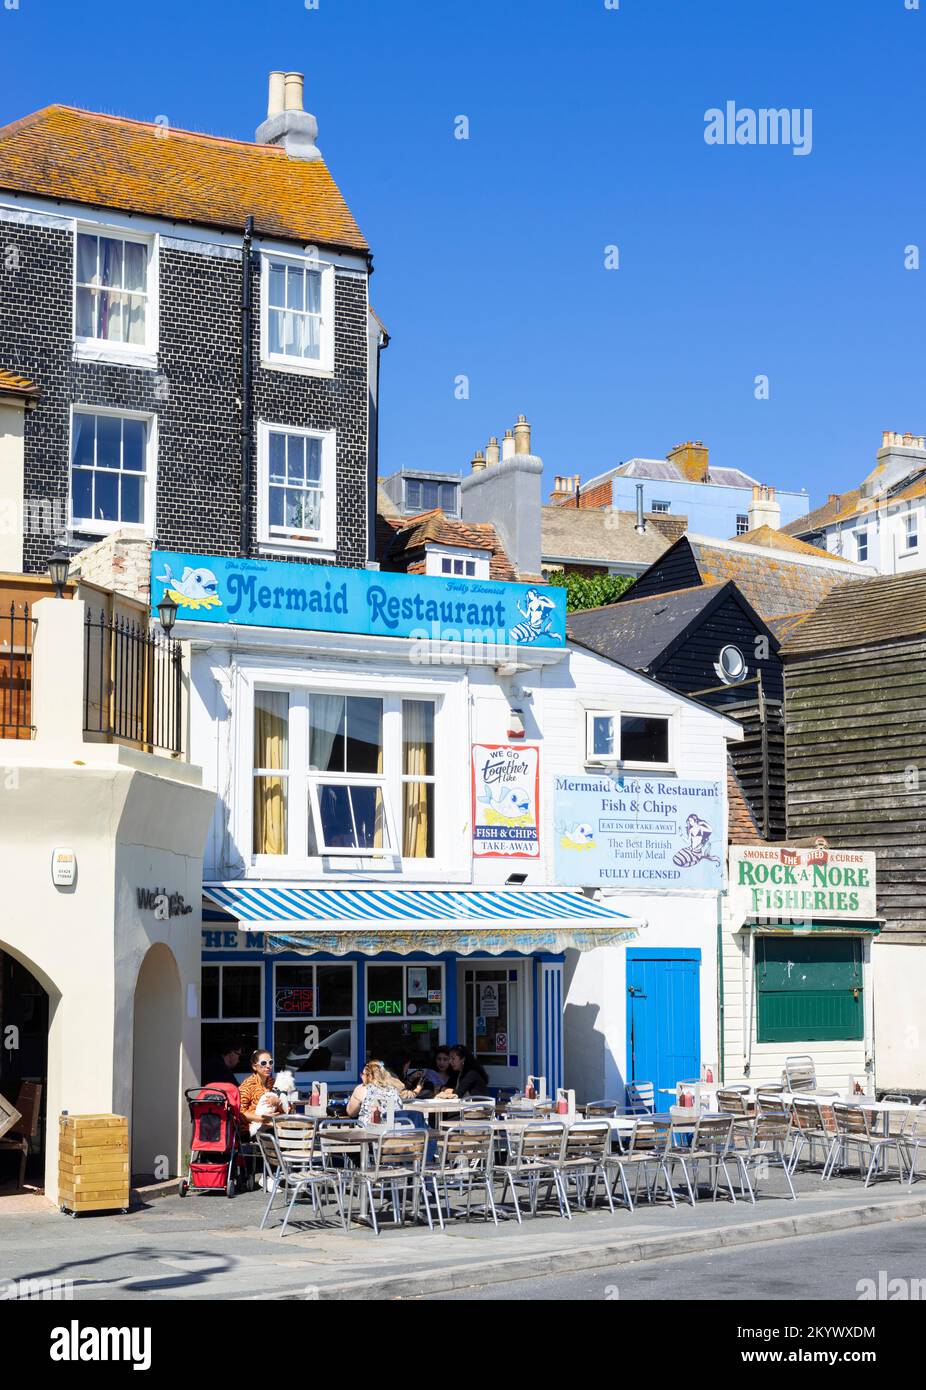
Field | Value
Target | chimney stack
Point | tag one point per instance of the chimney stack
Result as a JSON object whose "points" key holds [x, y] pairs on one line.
{"points": [[692, 460], [508, 445], [493, 452], [287, 123], [506, 492], [899, 456], [563, 488], [522, 436], [763, 509], [477, 462]]}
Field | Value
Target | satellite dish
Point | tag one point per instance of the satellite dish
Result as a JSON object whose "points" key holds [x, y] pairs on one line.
{"points": [[731, 665]]}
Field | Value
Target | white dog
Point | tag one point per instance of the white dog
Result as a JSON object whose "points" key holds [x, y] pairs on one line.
{"points": [[278, 1101]]}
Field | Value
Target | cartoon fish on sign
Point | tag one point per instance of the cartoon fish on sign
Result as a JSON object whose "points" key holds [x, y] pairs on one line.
{"points": [[194, 589], [578, 837], [510, 805]]}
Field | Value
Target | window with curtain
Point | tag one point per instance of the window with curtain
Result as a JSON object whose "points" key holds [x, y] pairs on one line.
{"points": [[418, 779], [294, 483], [347, 785], [294, 311], [108, 470], [271, 771], [112, 289]]}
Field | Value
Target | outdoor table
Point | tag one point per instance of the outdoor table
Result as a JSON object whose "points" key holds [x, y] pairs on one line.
{"points": [[434, 1109], [360, 1141]]}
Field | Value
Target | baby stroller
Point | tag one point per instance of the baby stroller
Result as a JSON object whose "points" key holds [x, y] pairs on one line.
{"points": [[216, 1158]]}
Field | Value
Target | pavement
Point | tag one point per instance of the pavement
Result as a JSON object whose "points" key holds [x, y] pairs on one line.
{"points": [[209, 1247]]}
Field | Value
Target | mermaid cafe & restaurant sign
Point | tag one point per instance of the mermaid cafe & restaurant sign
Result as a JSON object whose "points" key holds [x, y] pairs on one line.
{"points": [[807, 884], [327, 598]]}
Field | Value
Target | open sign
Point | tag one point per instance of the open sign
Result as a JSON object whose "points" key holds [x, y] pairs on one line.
{"points": [[384, 1006]]}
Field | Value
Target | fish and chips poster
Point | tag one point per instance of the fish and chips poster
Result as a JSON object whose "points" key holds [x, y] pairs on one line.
{"points": [[506, 801], [639, 832]]}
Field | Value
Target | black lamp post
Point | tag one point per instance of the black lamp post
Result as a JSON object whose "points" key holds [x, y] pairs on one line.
{"points": [[167, 612], [58, 566]]}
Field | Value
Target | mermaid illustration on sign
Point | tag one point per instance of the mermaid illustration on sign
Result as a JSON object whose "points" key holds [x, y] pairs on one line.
{"points": [[196, 588], [538, 616], [698, 849]]}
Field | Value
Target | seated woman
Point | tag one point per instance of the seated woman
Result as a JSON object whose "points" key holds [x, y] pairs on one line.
{"points": [[259, 1101], [469, 1076], [437, 1082], [377, 1087]]}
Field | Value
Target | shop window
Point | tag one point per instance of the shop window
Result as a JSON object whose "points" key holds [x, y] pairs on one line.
{"points": [[636, 740], [808, 990], [405, 1012], [231, 1010], [313, 1011]]}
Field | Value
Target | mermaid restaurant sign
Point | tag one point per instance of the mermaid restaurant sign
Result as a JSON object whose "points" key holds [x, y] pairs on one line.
{"points": [[326, 598], [638, 832]]}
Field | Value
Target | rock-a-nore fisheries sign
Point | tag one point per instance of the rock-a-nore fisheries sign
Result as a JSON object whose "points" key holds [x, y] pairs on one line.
{"points": [[325, 598], [817, 882]]}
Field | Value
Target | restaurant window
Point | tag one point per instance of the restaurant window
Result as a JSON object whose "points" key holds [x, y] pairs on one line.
{"points": [[231, 1011], [638, 740], [313, 1013], [809, 990], [405, 1012], [347, 784], [418, 779], [271, 771]]}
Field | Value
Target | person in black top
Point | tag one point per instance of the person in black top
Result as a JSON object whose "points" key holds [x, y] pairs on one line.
{"points": [[223, 1068], [469, 1076]]}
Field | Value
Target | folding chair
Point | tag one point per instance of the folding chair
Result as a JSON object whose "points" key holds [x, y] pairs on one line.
{"points": [[465, 1157], [534, 1156]]}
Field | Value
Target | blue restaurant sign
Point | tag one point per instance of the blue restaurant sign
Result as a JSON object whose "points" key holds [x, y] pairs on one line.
{"points": [[325, 598], [638, 832]]}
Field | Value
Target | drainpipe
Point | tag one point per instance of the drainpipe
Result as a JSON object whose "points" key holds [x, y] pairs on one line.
{"points": [[640, 526], [246, 326], [720, 1005]]}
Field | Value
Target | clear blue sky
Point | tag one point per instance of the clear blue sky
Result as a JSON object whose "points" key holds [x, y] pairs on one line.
{"points": [[586, 130]]}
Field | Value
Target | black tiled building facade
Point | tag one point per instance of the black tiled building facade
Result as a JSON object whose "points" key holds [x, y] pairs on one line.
{"points": [[194, 392]]}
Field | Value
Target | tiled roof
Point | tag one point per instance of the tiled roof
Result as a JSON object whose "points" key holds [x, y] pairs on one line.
{"points": [[12, 384], [136, 166], [741, 826], [784, 626], [593, 536], [775, 584], [888, 608], [635, 632], [779, 540], [405, 550], [822, 516]]}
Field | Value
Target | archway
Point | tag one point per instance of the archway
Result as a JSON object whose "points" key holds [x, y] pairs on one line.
{"points": [[24, 1018], [156, 1066]]}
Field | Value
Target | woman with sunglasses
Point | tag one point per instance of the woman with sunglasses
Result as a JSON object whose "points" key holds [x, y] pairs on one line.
{"points": [[256, 1085]]}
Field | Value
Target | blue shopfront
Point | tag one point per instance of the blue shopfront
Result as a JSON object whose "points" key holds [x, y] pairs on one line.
{"points": [[268, 980]]}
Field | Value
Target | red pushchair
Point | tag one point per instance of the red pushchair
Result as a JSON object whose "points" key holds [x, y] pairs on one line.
{"points": [[216, 1158]]}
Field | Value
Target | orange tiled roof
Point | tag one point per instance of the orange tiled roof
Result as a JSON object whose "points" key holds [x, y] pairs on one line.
{"points": [[405, 549], [773, 586], [779, 540], [12, 384], [134, 166], [822, 516]]}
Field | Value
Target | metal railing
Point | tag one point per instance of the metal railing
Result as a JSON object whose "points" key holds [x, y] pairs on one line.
{"points": [[17, 630], [133, 684]]}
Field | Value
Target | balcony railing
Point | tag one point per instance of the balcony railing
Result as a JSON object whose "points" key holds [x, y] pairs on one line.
{"points": [[17, 628], [133, 684]]}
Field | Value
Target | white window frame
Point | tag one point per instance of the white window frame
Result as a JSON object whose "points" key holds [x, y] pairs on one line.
{"points": [[102, 349], [616, 715], [324, 541], [422, 507], [277, 361], [301, 796], [435, 555], [911, 532], [333, 1078], [96, 526], [660, 508], [742, 523], [861, 546]]}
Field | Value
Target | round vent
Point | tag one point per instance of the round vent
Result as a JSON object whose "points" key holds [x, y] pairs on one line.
{"points": [[731, 666]]}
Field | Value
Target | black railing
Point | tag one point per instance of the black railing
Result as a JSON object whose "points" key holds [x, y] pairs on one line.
{"points": [[133, 684], [17, 628]]}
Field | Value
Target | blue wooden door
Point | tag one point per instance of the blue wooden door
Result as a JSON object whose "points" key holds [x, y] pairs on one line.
{"points": [[663, 1019]]}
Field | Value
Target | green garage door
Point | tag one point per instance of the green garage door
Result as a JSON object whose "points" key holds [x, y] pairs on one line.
{"points": [[809, 990]]}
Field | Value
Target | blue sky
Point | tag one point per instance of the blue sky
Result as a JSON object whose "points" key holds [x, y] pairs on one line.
{"points": [[586, 130]]}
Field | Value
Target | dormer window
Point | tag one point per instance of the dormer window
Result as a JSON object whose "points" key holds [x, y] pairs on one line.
{"points": [[115, 313], [427, 494], [911, 531], [297, 314], [450, 563]]}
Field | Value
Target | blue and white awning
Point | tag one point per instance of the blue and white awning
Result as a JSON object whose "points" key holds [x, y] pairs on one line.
{"points": [[409, 920]]}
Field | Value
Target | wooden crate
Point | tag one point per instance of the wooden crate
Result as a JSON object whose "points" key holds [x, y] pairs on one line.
{"points": [[93, 1163]]}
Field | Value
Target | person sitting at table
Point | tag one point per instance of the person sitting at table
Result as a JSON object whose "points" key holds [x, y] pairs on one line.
{"points": [[469, 1076], [224, 1065], [437, 1081], [257, 1088], [377, 1087]]}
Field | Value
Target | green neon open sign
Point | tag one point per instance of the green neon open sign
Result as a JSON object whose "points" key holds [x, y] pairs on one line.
{"points": [[384, 1006]]}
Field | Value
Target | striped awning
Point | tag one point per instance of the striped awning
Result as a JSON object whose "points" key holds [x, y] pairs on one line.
{"points": [[429, 920]]}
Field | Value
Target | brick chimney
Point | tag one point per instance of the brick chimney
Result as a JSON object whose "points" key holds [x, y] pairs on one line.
{"points": [[287, 124], [564, 490], [691, 459], [764, 510]]}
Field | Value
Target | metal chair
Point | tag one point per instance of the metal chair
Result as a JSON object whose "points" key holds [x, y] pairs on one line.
{"points": [[640, 1098], [465, 1157], [914, 1139], [768, 1145], [897, 1124], [534, 1156], [853, 1127], [397, 1164], [293, 1173], [602, 1107], [586, 1148], [808, 1127], [711, 1142], [800, 1074], [649, 1146]]}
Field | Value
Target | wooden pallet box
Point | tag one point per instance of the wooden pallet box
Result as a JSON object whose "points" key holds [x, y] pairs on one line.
{"points": [[93, 1163]]}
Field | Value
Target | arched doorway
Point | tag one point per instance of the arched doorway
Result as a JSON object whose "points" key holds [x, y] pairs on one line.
{"points": [[156, 1066], [24, 1015]]}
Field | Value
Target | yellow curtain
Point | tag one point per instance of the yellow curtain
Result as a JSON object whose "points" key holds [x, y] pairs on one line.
{"points": [[418, 728], [271, 710]]}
